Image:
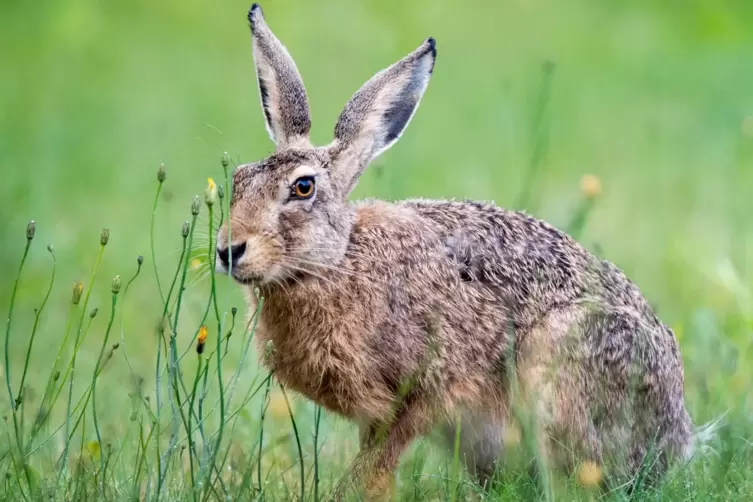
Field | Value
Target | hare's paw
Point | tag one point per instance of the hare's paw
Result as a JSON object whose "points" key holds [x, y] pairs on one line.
{"points": [[379, 485], [375, 486]]}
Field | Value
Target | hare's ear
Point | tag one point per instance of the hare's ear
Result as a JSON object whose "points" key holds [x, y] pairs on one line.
{"points": [[283, 96], [379, 112]]}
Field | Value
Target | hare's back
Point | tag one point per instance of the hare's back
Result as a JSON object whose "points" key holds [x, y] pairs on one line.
{"points": [[532, 265], [536, 264]]}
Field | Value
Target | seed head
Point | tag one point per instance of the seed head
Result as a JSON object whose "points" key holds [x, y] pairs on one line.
{"points": [[590, 185], [195, 206], [31, 229], [116, 285], [93, 313], [221, 191], [108, 356], [161, 174], [225, 160], [139, 260], [78, 290], [104, 237], [201, 340], [210, 194], [184, 230], [269, 350]]}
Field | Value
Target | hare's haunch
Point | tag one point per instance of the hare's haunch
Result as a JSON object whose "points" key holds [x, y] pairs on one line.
{"points": [[405, 316]]}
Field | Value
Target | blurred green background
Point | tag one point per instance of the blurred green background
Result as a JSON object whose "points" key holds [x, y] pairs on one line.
{"points": [[653, 98]]}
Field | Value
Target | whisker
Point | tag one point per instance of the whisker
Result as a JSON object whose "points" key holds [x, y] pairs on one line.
{"points": [[348, 252], [301, 269], [352, 273]]}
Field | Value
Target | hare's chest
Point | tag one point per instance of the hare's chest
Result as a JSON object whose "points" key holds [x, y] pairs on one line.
{"points": [[333, 374]]}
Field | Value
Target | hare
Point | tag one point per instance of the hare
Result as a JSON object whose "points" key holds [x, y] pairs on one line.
{"points": [[407, 317]]}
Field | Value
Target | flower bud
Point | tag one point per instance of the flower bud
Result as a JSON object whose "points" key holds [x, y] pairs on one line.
{"points": [[221, 191], [225, 160], [161, 174], [104, 237], [93, 313], [184, 230], [139, 260], [50, 248], [116, 285], [210, 194], [234, 311], [31, 229], [195, 206], [269, 350], [78, 290]]}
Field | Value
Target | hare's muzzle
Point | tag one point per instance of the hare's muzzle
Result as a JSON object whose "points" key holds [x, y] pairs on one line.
{"points": [[234, 253]]}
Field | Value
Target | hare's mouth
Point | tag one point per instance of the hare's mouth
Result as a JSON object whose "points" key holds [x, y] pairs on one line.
{"points": [[287, 280], [248, 279]]}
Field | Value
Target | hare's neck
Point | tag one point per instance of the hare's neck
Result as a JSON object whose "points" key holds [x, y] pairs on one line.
{"points": [[298, 308]]}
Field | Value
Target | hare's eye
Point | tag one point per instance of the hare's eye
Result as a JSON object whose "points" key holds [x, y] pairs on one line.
{"points": [[303, 188]]}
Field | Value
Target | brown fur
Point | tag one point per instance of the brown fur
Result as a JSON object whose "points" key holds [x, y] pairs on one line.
{"points": [[477, 309]]}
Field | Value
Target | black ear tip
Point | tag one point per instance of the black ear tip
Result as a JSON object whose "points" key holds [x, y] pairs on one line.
{"points": [[432, 46], [254, 11]]}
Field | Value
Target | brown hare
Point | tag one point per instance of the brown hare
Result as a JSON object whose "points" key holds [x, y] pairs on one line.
{"points": [[410, 316]]}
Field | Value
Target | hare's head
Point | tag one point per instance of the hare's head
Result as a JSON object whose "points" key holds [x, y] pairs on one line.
{"points": [[289, 213]]}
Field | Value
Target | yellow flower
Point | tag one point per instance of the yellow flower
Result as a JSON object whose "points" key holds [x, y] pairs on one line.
{"points": [[590, 185], [92, 449], [589, 474], [195, 264], [201, 339]]}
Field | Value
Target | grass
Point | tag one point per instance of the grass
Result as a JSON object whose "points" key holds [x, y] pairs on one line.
{"points": [[106, 395]]}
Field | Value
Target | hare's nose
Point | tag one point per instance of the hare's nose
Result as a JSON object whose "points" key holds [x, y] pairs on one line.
{"points": [[236, 251]]}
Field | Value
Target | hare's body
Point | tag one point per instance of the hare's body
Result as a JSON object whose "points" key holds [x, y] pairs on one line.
{"points": [[404, 316], [453, 297]]}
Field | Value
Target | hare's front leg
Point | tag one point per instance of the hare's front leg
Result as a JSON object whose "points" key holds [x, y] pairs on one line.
{"points": [[373, 470]]}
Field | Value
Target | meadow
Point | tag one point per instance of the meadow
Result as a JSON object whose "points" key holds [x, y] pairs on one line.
{"points": [[629, 124]]}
